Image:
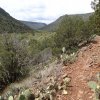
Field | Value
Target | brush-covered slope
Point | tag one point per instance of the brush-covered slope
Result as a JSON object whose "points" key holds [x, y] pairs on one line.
{"points": [[10, 25], [53, 26], [34, 25]]}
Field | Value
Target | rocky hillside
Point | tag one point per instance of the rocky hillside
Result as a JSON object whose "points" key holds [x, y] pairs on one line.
{"points": [[10, 25], [53, 26], [77, 79]]}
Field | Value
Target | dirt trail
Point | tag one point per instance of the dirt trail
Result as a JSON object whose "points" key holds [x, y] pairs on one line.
{"points": [[83, 70]]}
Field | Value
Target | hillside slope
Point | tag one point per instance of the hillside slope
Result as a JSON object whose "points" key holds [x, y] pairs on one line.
{"points": [[10, 25], [54, 25], [34, 25], [46, 80]]}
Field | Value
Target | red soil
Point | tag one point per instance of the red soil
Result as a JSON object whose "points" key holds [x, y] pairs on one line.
{"points": [[82, 71]]}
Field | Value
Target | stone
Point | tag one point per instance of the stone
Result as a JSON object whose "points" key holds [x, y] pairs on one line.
{"points": [[66, 80], [64, 76], [98, 86], [59, 87], [37, 94], [37, 98], [64, 92]]}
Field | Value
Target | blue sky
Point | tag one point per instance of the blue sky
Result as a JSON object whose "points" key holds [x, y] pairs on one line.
{"points": [[44, 10]]}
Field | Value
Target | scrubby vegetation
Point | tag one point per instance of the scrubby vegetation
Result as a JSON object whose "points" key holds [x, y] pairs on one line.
{"points": [[18, 52], [10, 25], [73, 30], [14, 59]]}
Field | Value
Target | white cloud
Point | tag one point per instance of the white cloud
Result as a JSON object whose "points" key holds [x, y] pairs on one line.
{"points": [[44, 10]]}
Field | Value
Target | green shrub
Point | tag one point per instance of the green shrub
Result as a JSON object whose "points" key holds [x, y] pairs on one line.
{"points": [[14, 60], [69, 58]]}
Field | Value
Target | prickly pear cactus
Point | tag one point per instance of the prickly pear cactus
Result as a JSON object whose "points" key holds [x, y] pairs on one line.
{"points": [[96, 86], [26, 92], [28, 95], [92, 85]]}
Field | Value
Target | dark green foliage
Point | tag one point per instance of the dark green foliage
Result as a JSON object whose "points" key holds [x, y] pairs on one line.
{"points": [[71, 32], [11, 25], [18, 53], [47, 42], [14, 60], [34, 46], [96, 17]]}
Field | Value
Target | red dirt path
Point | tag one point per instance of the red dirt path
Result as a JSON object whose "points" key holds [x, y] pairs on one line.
{"points": [[83, 70]]}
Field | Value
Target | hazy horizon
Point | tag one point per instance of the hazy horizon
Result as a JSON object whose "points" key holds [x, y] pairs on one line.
{"points": [[45, 11]]}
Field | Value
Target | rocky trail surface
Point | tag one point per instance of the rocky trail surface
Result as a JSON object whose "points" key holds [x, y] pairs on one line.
{"points": [[82, 71]]}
